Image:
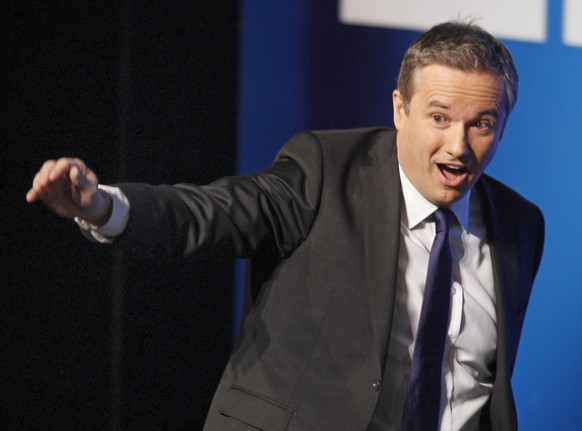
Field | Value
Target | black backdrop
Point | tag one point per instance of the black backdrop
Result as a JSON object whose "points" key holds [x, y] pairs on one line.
{"points": [[143, 91]]}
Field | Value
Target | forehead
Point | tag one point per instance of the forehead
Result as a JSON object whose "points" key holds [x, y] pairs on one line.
{"points": [[442, 83]]}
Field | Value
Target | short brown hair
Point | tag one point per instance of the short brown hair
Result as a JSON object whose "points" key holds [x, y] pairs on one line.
{"points": [[462, 46]]}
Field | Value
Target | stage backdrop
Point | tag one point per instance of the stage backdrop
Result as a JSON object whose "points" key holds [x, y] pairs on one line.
{"points": [[330, 64]]}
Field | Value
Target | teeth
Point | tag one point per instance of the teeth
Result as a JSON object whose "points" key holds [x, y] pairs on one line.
{"points": [[456, 168]]}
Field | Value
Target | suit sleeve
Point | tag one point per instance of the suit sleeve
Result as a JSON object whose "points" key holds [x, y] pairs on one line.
{"points": [[272, 210]]}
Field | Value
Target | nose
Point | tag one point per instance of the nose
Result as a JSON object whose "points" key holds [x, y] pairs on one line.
{"points": [[458, 142]]}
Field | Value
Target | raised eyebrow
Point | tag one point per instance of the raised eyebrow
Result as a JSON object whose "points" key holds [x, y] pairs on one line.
{"points": [[441, 105], [488, 112], [438, 104]]}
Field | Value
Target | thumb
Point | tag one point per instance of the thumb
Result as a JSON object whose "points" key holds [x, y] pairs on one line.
{"points": [[82, 178]]}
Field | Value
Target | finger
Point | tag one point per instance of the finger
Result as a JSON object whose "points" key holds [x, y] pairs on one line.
{"points": [[51, 177], [62, 168], [79, 175], [40, 181], [31, 196], [42, 176]]}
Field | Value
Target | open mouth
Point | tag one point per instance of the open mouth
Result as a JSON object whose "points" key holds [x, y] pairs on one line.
{"points": [[452, 175]]}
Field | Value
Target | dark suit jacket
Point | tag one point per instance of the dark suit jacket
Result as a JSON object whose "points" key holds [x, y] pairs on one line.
{"points": [[321, 228]]}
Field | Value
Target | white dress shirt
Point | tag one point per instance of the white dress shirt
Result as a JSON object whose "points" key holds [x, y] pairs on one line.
{"points": [[472, 337]]}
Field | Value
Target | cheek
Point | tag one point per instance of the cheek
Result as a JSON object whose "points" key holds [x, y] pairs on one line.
{"points": [[419, 145], [430, 144], [420, 149]]}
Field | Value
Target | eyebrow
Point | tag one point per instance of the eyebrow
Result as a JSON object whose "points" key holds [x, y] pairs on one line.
{"points": [[492, 112], [442, 105], [438, 104]]}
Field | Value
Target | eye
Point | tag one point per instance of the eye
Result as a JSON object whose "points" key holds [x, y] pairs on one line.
{"points": [[439, 121], [484, 126]]}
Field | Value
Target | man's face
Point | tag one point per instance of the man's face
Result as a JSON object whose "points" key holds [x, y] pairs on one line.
{"points": [[451, 131]]}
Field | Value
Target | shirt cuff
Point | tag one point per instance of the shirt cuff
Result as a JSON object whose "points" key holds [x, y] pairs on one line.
{"points": [[116, 223]]}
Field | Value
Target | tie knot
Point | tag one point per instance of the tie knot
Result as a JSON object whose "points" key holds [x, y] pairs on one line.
{"points": [[443, 217]]}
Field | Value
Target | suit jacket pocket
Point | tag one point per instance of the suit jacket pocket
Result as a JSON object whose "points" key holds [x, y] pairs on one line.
{"points": [[256, 410]]}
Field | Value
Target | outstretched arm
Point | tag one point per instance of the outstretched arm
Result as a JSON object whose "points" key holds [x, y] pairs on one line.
{"points": [[69, 188]]}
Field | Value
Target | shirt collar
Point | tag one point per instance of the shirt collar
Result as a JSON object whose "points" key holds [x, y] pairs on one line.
{"points": [[417, 208]]}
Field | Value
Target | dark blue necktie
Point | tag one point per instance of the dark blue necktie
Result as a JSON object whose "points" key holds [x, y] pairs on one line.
{"points": [[422, 404]]}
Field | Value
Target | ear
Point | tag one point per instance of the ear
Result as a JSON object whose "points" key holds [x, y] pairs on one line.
{"points": [[398, 107]]}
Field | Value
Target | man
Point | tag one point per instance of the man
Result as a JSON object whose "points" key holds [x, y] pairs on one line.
{"points": [[339, 232]]}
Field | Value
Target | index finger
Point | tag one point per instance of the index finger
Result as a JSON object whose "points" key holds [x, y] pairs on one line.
{"points": [[50, 172], [62, 168]]}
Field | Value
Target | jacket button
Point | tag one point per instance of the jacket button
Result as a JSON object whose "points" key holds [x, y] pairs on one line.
{"points": [[376, 385]]}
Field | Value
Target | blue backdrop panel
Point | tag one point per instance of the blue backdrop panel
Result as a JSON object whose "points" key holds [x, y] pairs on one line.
{"points": [[302, 69]]}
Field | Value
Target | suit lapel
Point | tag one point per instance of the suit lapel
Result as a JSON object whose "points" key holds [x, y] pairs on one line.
{"points": [[505, 275], [381, 188], [505, 270]]}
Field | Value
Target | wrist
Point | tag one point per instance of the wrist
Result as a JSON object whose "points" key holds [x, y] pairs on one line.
{"points": [[115, 220], [103, 215]]}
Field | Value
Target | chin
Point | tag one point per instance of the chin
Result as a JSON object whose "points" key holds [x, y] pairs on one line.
{"points": [[448, 199]]}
